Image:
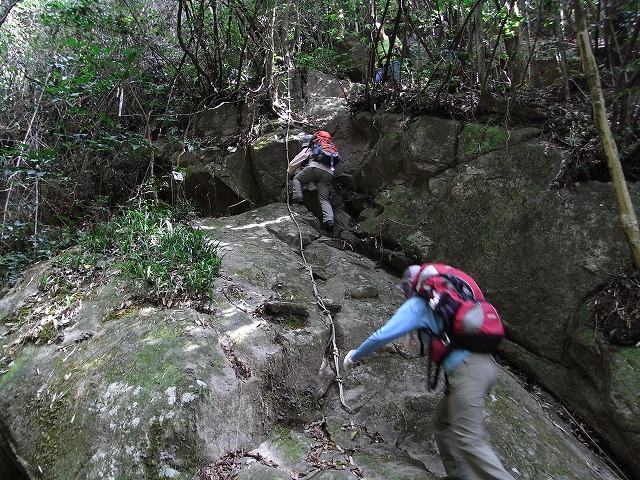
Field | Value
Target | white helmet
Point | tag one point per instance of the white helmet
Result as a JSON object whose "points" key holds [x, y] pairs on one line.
{"points": [[408, 278], [306, 140]]}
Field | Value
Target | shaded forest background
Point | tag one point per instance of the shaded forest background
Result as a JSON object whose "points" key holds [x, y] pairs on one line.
{"points": [[87, 86]]}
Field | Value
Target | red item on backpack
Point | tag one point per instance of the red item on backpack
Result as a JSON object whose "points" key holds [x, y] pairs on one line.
{"points": [[323, 150]]}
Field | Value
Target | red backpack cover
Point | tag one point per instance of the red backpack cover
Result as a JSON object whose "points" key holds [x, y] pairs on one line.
{"points": [[323, 149], [470, 321]]}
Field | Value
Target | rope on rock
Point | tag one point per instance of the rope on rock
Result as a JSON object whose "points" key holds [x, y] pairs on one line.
{"points": [[320, 302]]}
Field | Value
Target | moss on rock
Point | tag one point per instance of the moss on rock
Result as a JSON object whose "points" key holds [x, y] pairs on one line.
{"points": [[625, 378], [477, 139]]}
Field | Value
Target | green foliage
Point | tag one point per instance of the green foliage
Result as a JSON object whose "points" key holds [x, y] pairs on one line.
{"points": [[47, 333], [87, 71], [476, 140], [21, 246], [150, 243], [292, 322], [324, 59]]}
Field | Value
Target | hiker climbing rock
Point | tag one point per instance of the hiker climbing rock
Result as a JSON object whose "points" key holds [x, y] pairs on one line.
{"points": [[459, 416], [316, 163]]}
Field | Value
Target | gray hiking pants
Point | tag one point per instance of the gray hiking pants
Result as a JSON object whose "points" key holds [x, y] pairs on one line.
{"points": [[459, 422], [323, 181]]}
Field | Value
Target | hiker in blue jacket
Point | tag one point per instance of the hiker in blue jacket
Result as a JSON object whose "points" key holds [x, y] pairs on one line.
{"points": [[459, 415]]}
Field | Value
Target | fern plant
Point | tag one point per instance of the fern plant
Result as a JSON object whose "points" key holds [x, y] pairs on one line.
{"points": [[154, 244]]}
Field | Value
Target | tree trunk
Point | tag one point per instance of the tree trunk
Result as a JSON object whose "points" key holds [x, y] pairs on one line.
{"points": [[628, 220], [513, 47], [481, 68], [270, 60], [561, 54], [5, 8], [287, 49]]}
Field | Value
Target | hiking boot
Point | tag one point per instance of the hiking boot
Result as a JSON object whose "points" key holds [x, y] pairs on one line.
{"points": [[328, 226]]}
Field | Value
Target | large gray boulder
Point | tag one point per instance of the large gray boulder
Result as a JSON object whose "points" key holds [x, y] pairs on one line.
{"points": [[429, 189], [479, 197], [248, 387], [539, 254], [222, 174]]}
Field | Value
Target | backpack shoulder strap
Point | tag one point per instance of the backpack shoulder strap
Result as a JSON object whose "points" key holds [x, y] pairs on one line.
{"points": [[432, 379]]}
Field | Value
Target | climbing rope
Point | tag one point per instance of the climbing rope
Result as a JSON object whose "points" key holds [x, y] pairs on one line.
{"points": [[320, 302]]}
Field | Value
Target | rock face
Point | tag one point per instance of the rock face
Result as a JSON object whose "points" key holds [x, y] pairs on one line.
{"points": [[141, 392], [478, 196], [144, 392]]}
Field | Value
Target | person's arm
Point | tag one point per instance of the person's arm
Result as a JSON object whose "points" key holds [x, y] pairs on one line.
{"points": [[397, 47], [298, 160], [382, 49], [413, 314]]}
